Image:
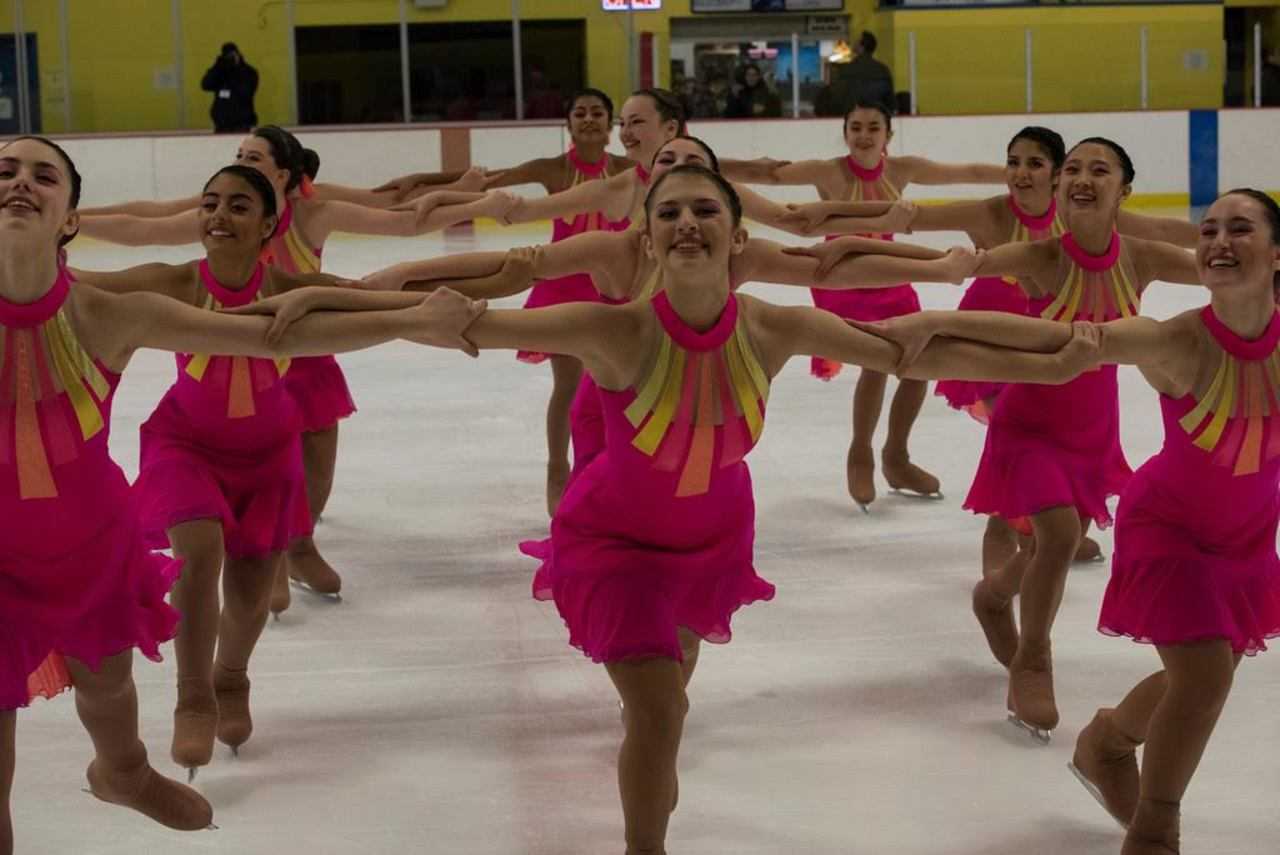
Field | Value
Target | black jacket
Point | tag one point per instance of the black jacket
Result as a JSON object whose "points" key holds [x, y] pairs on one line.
{"points": [[233, 86]]}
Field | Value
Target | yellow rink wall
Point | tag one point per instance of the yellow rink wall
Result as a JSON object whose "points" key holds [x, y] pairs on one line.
{"points": [[121, 73]]}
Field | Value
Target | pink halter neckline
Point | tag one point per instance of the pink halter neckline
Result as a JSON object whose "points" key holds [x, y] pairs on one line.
{"points": [[286, 220], [34, 314], [232, 296], [861, 172], [1032, 222], [642, 174], [1242, 348], [689, 338], [1092, 263], [591, 170]]}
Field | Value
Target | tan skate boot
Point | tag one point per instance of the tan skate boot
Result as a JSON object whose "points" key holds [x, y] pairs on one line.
{"points": [[1089, 552], [308, 568], [1031, 701], [1154, 830], [909, 479], [195, 720], [235, 724], [145, 790], [1106, 762], [995, 615], [860, 476]]}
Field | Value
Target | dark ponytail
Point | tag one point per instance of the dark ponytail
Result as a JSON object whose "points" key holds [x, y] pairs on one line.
{"points": [[287, 153], [310, 163]]}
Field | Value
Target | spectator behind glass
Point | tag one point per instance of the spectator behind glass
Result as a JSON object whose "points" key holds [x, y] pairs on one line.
{"points": [[755, 100], [865, 80], [233, 83], [1271, 79]]}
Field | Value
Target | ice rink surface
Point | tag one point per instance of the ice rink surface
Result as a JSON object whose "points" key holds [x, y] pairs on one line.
{"points": [[439, 709]]}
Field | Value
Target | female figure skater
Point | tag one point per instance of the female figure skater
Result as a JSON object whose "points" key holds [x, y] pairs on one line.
{"points": [[1052, 456], [318, 384], [79, 586], [652, 544], [868, 173], [1195, 571]]}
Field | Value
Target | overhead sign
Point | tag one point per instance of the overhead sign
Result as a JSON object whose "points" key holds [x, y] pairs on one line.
{"points": [[768, 5], [626, 5]]}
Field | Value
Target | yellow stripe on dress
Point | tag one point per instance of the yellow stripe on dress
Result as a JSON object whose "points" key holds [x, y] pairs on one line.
{"points": [[1222, 408], [304, 259], [652, 385], [88, 414], [1192, 419], [650, 437]]}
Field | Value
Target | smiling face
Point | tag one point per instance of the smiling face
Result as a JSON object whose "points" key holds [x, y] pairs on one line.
{"points": [[1093, 181], [678, 152], [35, 193], [1237, 247], [691, 226], [643, 129], [232, 216], [255, 153], [589, 121], [1030, 174], [867, 134]]}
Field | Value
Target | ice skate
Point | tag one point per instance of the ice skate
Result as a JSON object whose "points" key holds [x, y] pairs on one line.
{"points": [[151, 794], [1106, 763], [1154, 830], [907, 479], [1089, 552], [195, 721], [280, 595], [860, 475], [995, 615], [235, 724], [1031, 701], [311, 573]]}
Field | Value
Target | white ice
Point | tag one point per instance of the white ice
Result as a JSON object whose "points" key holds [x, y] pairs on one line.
{"points": [[439, 709]]}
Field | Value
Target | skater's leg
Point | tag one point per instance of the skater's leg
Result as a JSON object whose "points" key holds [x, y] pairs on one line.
{"points": [[999, 544], [899, 471], [566, 374], [993, 598], [246, 587], [860, 467], [656, 705], [1057, 535], [195, 595], [319, 459], [8, 759], [1199, 678], [107, 703], [690, 646], [1106, 749]]}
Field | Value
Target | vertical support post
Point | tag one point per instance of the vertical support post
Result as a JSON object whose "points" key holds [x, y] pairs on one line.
{"points": [[911, 67], [20, 56], [179, 78], [656, 59], [406, 96], [517, 57], [632, 60], [292, 46], [1257, 64], [1142, 58], [795, 75], [64, 45], [1027, 49]]}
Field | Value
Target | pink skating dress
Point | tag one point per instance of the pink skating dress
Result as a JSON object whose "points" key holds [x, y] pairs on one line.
{"points": [[998, 294], [1059, 446], [1195, 554], [224, 444], [657, 532], [864, 304], [316, 382], [75, 577], [576, 287]]}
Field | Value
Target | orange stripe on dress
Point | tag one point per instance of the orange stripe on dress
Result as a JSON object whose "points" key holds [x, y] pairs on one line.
{"points": [[35, 480], [696, 477], [240, 390]]}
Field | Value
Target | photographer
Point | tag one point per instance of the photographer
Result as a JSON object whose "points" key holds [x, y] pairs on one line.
{"points": [[233, 82]]}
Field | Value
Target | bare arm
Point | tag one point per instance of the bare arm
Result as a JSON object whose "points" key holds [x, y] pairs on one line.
{"points": [[358, 219], [1178, 232], [462, 266], [921, 170], [766, 211], [540, 171], [815, 172], [171, 280], [1165, 262], [145, 208], [767, 261], [1023, 260], [516, 276], [129, 230], [612, 197]]}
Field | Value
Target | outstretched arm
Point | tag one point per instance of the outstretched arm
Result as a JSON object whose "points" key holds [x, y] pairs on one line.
{"points": [[145, 208], [767, 261], [612, 197], [130, 230], [814, 172], [1167, 263], [1174, 230], [358, 219], [171, 280], [921, 170], [408, 273]]}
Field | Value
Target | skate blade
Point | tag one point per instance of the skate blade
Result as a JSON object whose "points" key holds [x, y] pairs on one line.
{"points": [[303, 586], [865, 507], [1039, 734], [1095, 792], [908, 493], [89, 792], [191, 774]]}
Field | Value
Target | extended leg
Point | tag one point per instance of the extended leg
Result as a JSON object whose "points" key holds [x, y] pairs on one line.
{"points": [[860, 466], [195, 719], [656, 705], [994, 593], [899, 471], [305, 564], [566, 374], [1105, 758], [107, 703], [246, 588]]}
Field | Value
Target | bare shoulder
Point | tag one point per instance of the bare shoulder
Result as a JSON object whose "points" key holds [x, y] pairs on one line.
{"points": [[618, 163]]}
